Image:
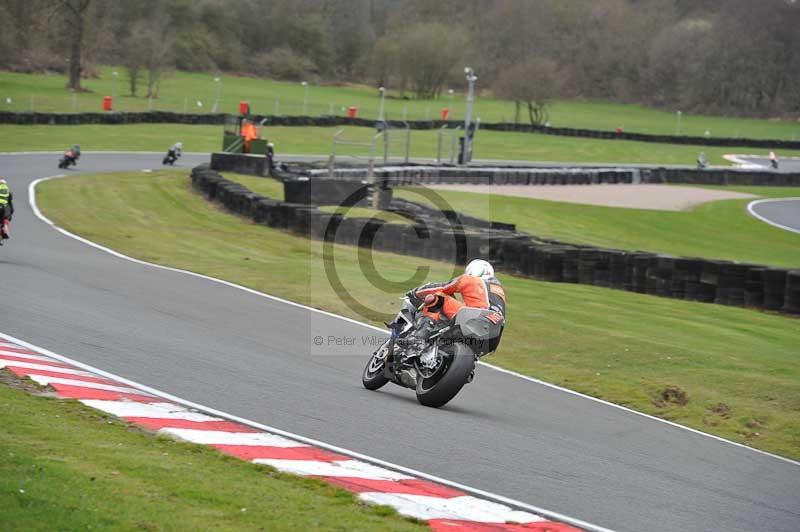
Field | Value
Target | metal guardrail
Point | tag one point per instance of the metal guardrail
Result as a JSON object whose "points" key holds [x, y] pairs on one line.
{"points": [[338, 141], [453, 141]]}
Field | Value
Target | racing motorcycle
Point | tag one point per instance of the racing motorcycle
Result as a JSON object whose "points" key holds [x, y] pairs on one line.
{"points": [[69, 158], [170, 157], [439, 366]]}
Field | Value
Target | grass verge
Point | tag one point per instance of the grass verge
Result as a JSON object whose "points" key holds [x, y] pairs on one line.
{"points": [[737, 370], [318, 141], [187, 88], [69, 467], [717, 230]]}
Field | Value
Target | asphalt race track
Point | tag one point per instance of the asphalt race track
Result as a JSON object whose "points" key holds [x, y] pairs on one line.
{"points": [[252, 357], [785, 165], [781, 212]]}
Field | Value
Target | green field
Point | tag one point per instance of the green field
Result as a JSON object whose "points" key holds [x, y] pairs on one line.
{"points": [[319, 141], [68, 467], [716, 230], [183, 90], [739, 368]]}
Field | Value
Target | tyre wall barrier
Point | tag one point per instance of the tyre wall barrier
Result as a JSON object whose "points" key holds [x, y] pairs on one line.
{"points": [[720, 176], [442, 175], [791, 301], [325, 192], [452, 237], [165, 117], [239, 163]]}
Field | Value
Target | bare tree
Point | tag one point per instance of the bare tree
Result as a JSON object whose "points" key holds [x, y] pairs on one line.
{"points": [[534, 83], [75, 11], [148, 54], [427, 55]]}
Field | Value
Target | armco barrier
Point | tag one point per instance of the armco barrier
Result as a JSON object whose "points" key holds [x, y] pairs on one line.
{"points": [[164, 117], [454, 238]]}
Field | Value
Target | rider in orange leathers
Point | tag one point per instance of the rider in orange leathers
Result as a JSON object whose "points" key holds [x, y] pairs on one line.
{"points": [[479, 288]]}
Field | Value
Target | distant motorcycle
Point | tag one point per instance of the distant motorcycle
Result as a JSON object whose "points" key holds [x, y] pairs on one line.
{"points": [[173, 154], [436, 368], [170, 158], [70, 157]]}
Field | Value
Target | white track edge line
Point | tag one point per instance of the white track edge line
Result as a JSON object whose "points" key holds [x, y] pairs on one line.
{"points": [[316, 443], [764, 219], [743, 163], [32, 201]]}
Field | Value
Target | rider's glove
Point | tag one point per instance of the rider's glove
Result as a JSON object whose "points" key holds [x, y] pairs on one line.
{"points": [[412, 297]]}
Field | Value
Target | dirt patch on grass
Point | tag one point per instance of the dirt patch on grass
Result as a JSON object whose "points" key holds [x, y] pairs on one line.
{"points": [[721, 409], [671, 395], [655, 197], [9, 379]]}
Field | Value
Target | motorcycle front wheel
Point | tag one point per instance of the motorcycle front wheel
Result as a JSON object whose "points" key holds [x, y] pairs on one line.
{"points": [[373, 377], [438, 389]]}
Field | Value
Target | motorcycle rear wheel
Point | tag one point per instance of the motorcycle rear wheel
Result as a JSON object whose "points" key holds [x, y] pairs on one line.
{"points": [[373, 377], [440, 388]]}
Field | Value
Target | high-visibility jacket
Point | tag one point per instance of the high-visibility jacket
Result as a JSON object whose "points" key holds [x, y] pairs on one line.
{"points": [[5, 193], [249, 131]]}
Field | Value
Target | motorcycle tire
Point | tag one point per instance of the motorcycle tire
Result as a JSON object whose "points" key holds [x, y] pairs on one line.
{"points": [[165, 161], [373, 377], [441, 388], [62, 164]]}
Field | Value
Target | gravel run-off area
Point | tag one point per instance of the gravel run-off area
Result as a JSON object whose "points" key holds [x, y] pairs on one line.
{"points": [[656, 197]]}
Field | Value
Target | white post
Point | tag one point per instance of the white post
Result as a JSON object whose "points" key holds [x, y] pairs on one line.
{"points": [[277, 107], [452, 114], [405, 113], [678, 123], [149, 103], [385, 147], [305, 98], [380, 111], [74, 103], [471, 79], [218, 81], [408, 143], [439, 146], [114, 87]]}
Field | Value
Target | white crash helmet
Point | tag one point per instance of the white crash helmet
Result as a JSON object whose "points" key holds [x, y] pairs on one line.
{"points": [[479, 268]]}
